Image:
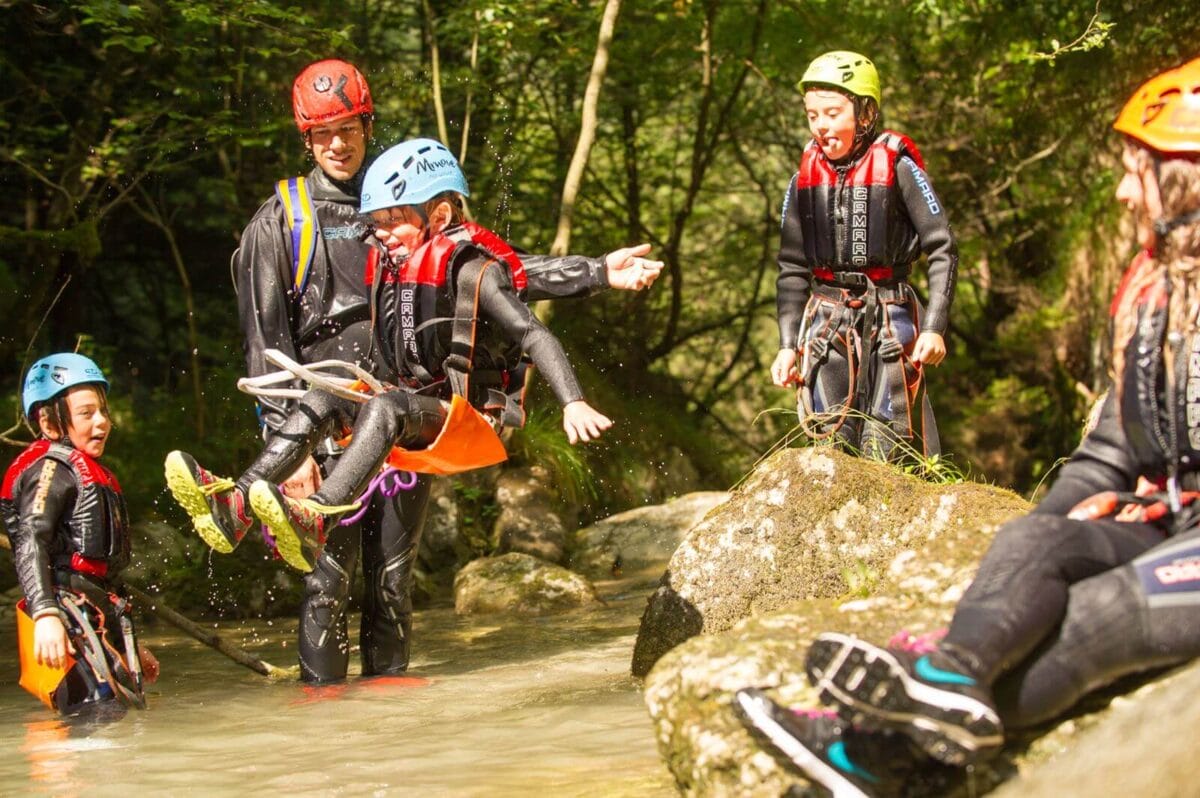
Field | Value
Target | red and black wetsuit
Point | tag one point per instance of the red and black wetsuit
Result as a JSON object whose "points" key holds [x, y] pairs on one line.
{"points": [[1061, 607], [66, 518], [332, 319], [850, 233]]}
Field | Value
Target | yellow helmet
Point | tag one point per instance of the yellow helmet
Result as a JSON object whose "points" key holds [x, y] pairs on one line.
{"points": [[851, 72]]}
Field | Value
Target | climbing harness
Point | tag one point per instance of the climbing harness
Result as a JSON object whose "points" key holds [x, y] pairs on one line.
{"points": [[849, 312], [97, 672]]}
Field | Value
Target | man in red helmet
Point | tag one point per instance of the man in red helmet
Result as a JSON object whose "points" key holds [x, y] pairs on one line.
{"points": [[300, 281]]}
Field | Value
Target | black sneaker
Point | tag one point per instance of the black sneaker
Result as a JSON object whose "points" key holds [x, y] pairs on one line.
{"points": [[813, 742], [927, 696], [297, 525], [216, 507]]}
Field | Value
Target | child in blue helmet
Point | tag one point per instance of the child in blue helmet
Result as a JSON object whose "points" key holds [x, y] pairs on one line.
{"points": [[70, 534], [449, 318]]}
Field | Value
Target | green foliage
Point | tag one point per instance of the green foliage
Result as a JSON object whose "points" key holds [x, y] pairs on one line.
{"points": [[861, 580], [542, 442]]}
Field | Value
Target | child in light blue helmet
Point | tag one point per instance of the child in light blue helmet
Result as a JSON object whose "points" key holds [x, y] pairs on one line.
{"points": [[70, 535], [449, 319]]}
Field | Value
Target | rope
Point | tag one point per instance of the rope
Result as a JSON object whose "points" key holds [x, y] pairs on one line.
{"points": [[388, 482], [315, 374]]}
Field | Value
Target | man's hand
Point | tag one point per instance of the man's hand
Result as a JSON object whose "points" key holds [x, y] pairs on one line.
{"points": [[930, 349], [582, 422], [50, 642], [783, 370], [627, 270], [305, 481]]}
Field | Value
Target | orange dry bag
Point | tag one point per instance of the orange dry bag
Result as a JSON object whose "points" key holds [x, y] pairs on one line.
{"points": [[41, 680]]}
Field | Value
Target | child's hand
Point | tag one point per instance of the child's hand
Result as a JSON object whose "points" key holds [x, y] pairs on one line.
{"points": [[305, 481], [50, 642], [783, 370], [628, 270], [930, 349], [582, 422]]}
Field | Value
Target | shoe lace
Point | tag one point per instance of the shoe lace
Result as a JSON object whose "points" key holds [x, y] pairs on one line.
{"points": [[314, 507], [905, 640], [218, 485]]}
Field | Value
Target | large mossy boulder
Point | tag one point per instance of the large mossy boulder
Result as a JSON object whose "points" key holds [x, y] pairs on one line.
{"points": [[520, 584], [818, 524], [640, 539]]}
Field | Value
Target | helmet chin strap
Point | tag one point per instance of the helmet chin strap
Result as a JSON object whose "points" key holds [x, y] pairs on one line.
{"points": [[1163, 227]]}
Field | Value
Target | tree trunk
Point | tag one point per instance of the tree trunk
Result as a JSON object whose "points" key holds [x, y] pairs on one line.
{"points": [[587, 130]]}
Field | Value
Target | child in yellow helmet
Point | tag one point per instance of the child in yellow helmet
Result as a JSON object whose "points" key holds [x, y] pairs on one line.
{"points": [[858, 213]]}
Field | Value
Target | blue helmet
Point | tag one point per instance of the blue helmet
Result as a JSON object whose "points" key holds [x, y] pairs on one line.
{"points": [[410, 173], [54, 374]]}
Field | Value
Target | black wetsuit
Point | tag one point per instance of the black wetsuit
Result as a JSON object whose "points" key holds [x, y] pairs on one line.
{"points": [[332, 320], [69, 527], [1061, 607], [850, 233]]}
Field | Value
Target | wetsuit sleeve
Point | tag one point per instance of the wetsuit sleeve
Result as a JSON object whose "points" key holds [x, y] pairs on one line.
{"points": [[499, 303], [928, 216], [264, 278], [563, 278], [46, 494], [792, 285], [1102, 462]]}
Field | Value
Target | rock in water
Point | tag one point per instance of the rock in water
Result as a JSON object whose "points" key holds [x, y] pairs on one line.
{"points": [[640, 539], [521, 584]]}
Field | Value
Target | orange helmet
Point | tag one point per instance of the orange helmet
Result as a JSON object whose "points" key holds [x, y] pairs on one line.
{"points": [[1164, 113], [327, 90]]}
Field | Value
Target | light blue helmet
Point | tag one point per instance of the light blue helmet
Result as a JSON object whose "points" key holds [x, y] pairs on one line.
{"points": [[54, 374], [410, 173]]}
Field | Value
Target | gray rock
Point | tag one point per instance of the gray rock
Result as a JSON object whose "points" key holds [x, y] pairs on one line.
{"points": [[520, 584], [641, 539], [531, 529], [158, 549], [815, 523], [439, 540], [1140, 745], [529, 521]]}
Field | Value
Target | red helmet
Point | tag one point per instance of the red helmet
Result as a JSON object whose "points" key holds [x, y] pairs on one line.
{"points": [[327, 90]]}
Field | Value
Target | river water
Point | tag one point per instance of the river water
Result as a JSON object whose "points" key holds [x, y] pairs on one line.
{"points": [[491, 706]]}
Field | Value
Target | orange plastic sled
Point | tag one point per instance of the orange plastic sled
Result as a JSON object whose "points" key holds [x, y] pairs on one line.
{"points": [[41, 680], [466, 442]]}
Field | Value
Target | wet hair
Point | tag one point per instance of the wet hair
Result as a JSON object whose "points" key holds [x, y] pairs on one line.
{"points": [[58, 415], [454, 199], [1176, 257]]}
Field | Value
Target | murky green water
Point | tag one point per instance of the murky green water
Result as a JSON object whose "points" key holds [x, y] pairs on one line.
{"points": [[492, 706]]}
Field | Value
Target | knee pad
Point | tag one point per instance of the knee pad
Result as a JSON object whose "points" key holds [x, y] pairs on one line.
{"points": [[326, 592]]}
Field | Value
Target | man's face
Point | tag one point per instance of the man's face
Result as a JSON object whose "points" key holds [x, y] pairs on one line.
{"points": [[339, 146]]}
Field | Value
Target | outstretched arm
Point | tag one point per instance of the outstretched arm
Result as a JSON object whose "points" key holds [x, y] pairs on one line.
{"points": [[578, 276]]}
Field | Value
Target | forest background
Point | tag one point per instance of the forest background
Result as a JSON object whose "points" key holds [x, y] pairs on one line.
{"points": [[136, 141]]}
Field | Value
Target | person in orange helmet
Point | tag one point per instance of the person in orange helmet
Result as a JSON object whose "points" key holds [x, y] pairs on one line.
{"points": [[1101, 580]]}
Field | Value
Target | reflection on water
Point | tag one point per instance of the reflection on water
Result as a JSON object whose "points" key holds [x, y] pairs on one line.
{"points": [[491, 706]]}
